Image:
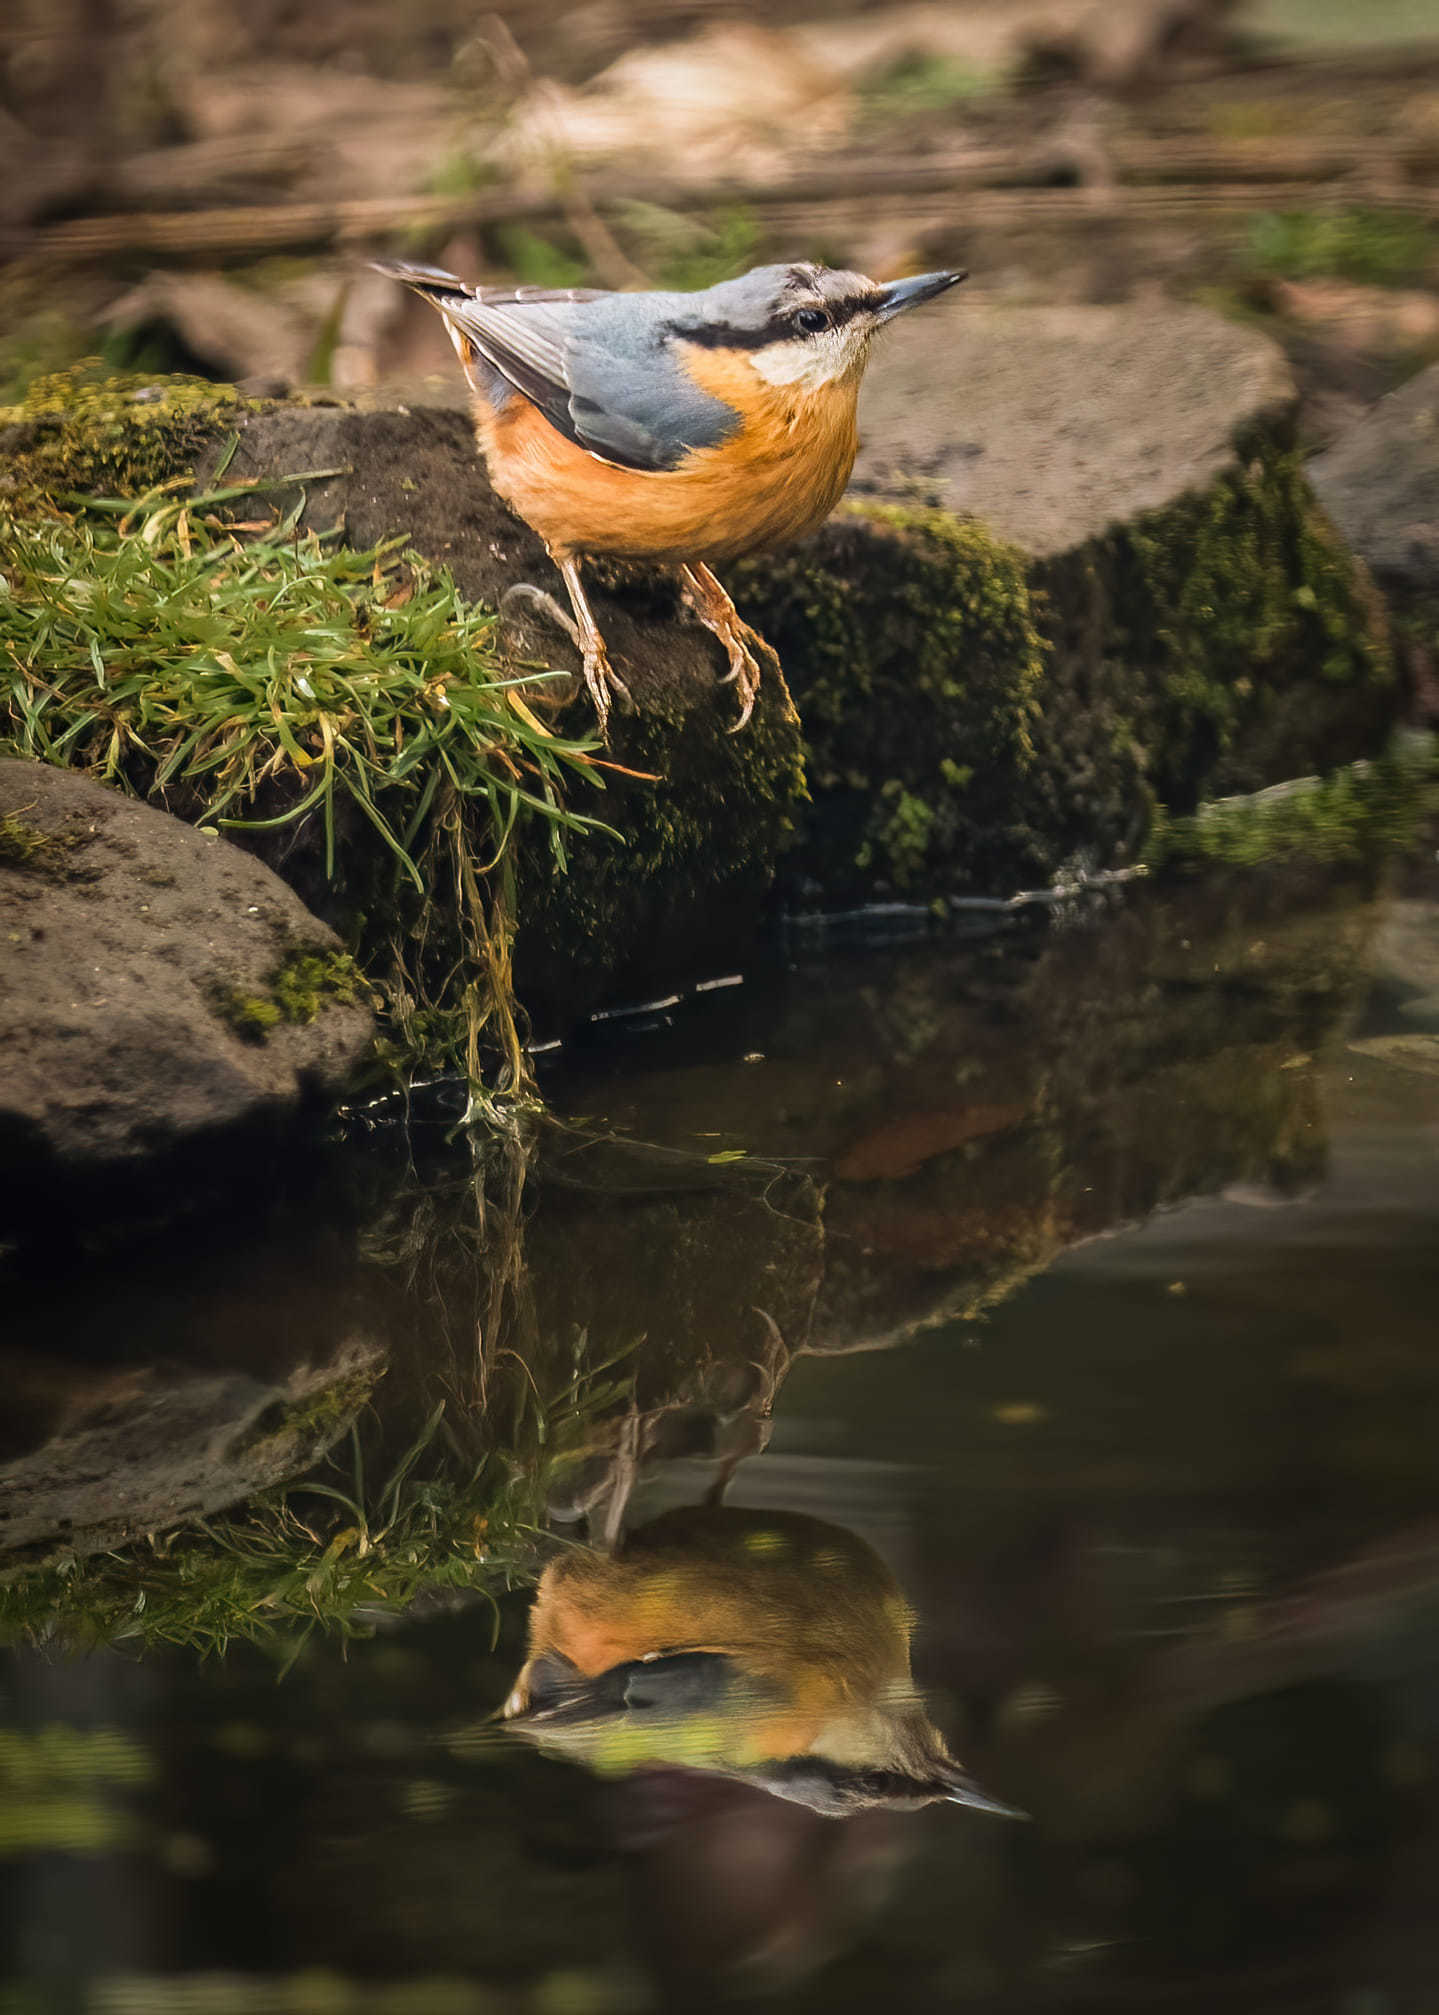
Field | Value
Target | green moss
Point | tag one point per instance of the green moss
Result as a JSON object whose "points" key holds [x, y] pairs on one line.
{"points": [[312, 1424], [82, 432], [307, 981], [973, 717], [303, 984], [251, 1015], [1362, 814], [696, 865], [1213, 648], [1268, 643], [912, 646], [25, 846]]}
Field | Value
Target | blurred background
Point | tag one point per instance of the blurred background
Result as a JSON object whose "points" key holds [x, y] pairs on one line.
{"points": [[194, 186]]}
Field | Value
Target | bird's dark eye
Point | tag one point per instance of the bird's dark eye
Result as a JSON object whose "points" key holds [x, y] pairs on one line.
{"points": [[811, 320]]}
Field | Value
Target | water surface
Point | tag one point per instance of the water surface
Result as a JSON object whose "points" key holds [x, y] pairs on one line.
{"points": [[1086, 1275]]}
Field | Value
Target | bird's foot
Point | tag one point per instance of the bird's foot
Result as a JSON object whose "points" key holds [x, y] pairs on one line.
{"points": [[750, 655], [600, 677]]}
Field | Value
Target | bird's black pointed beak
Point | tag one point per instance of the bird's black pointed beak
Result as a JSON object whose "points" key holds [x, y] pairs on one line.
{"points": [[961, 1789], [902, 294]]}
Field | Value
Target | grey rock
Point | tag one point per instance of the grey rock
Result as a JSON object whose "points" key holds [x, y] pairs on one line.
{"points": [[1380, 484], [143, 1449], [121, 935], [1054, 424]]}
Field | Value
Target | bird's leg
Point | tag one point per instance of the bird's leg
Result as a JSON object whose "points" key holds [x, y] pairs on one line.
{"points": [[746, 649], [581, 629], [599, 674], [607, 1530], [773, 1369]]}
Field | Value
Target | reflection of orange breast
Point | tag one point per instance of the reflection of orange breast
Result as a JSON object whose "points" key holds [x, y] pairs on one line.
{"points": [[777, 477], [802, 1606]]}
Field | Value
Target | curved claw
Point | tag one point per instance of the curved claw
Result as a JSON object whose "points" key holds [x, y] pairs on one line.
{"points": [[599, 674], [600, 677], [748, 652], [747, 700]]}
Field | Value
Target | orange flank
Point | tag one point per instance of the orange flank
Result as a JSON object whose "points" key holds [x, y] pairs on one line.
{"points": [[779, 1593], [778, 477]]}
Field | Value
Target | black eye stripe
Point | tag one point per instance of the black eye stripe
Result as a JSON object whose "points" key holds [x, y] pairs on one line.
{"points": [[779, 329]]}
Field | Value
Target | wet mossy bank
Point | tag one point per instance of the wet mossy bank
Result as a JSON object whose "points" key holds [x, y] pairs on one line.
{"points": [[976, 715], [978, 718], [1090, 581]]}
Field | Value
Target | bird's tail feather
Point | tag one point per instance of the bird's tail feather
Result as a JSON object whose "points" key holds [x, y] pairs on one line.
{"points": [[433, 282]]}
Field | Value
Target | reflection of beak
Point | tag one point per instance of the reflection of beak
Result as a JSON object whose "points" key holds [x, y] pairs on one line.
{"points": [[961, 1789], [902, 294]]}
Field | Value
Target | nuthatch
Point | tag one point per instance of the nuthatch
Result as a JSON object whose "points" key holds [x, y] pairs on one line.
{"points": [[681, 428], [764, 1646]]}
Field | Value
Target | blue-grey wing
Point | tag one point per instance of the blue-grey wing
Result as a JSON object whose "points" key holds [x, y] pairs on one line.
{"points": [[667, 1687], [631, 400], [598, 368]]}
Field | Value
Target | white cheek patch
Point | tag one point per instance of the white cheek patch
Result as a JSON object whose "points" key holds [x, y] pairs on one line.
{"points": [[812, 361]]}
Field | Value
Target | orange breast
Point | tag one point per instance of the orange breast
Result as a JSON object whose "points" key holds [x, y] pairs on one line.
{"points": [[778, 476]]}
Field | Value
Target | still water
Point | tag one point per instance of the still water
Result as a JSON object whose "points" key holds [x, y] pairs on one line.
{"points": [[934, 1375]]}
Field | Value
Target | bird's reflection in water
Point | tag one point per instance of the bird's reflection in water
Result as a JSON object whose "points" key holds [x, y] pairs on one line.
{"points": [[746, 1675]]}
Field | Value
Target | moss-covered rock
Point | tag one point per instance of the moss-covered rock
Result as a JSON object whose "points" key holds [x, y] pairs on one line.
{"points": [[701, 846], [911, 642], [82, 432], [976, 716], [702, 816], [1364, 814], [1122, 596]]}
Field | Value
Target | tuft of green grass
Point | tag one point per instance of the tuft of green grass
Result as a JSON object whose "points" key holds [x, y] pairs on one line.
{"points": [[1382, 248], [255, 679]]}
